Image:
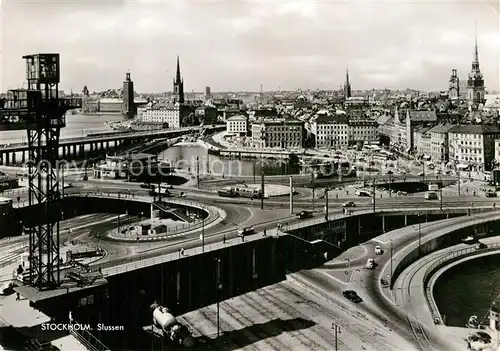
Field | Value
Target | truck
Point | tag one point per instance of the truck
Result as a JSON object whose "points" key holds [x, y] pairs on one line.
{"points": [[166, 326]]}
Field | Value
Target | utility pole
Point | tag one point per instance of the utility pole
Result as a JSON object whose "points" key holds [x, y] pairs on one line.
{"points": [[373, 199], [392, 247], [458, 175], [423, 171], [119, 213], [390, 181], [326, 203], [62, 190], [198, 172], [203, 235], [291, 195], [254, 172], [219, 288], [262, 189], [313, 188], [419, 235], [337, 332], [441, 195]]}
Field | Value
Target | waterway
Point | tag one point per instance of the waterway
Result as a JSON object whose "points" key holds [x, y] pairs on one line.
{"points": [[185, 157], [76, 126], [468, 289]]}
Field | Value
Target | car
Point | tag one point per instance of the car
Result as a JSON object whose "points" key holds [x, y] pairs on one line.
{"points": [[246, 231], [349, 204], [431, 196], [378, 250], [146, 186], [304, 215], [6, 289], [469, 240], [370, 263], [421, 174], [351, 295], [480, 246], [390, 172], [491, 194]]}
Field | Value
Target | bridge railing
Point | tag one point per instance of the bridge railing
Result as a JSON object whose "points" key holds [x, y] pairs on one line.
{"points": [[446, 260], [88, 340]]}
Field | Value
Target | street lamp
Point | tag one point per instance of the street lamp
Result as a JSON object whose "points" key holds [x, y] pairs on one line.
{"points": [[337, 331], [218, 288], [348, 263], [419, 235], [327, 189]]}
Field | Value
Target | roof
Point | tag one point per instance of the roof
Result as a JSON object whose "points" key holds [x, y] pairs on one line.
{"points": [[111, 101], [335, 119], [422, 116], [441, 128], [384, 119], [474, 129], [237, 118]]}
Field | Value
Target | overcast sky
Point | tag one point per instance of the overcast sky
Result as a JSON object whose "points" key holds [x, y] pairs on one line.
{"points": [[238, 45]]}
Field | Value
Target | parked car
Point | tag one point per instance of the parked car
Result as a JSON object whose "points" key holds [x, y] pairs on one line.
{"points": [[246, 231], [351, 295], [378, 250], [349, 204], [304, 215], [481, 246], [491, 194]]}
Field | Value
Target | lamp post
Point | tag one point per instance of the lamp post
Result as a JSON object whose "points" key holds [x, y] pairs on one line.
{"points": [[441, 193], [337, 331], [419, 235], [392, 247], [348, 262], [198, 172], [373, 197], [326, 203], [218, 288], [203, 235]]}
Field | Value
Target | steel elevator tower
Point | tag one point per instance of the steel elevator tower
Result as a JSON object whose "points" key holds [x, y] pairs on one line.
{"points": [[41, 112]]}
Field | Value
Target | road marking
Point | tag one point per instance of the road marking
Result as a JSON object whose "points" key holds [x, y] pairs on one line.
{"points": [[336, 279]]}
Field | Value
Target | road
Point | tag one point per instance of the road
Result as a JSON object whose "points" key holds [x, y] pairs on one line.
{"points": [[333, 279]]}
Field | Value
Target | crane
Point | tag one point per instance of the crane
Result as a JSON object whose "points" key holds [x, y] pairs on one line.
{"points": [[41, 112]]}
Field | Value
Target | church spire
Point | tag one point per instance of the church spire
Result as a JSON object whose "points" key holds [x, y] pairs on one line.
{"points": [[476, 51], [347, 86], [178, 74]]}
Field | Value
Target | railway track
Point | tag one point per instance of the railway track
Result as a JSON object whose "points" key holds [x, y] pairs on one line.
{"points": [[287, 309], [260, 334]]}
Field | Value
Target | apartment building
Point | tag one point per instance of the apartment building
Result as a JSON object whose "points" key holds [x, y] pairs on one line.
{"points": [[277, 132]]}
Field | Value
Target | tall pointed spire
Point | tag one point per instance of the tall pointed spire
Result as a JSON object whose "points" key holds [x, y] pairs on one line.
{"points": [[347, 75], [347, 85], [476, 51], [178, 73]]}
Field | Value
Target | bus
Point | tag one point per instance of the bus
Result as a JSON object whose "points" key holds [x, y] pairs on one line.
{"points": [[240, 192]]}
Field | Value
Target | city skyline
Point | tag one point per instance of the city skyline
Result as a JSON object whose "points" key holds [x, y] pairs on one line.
{"points": [[239, 45]]}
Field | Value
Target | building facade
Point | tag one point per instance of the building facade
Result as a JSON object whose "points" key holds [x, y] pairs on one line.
{"points": [[171, 114], [277, 132], [237, 125], [416, 118], [330, 131], [473, 146], [362, 131], [439, 142]]}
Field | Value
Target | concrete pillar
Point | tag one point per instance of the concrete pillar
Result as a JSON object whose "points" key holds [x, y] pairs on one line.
{"points": [[406, 220], [383, 224], [359, 225], [1, 158], [291, 195], [14, 157], [23, 157], [63, 151]]}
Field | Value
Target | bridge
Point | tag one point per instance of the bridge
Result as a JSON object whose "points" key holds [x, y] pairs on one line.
{"points": [[73, 147]]}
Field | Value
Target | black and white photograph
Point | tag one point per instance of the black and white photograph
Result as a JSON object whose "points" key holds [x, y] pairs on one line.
{"points": [[255, 175]]}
